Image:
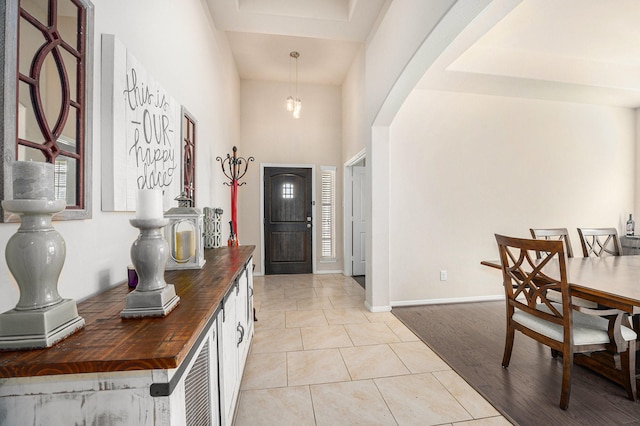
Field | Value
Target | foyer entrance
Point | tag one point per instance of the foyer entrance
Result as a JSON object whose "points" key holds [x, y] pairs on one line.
{"points": [[288, 220]]}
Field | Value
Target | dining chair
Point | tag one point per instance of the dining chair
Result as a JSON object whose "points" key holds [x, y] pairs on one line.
{"points": [[559, 234], [600, 242], [565, 328], [550, 234]]}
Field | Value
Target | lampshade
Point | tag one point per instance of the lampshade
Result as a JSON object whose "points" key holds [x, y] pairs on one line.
{"points": [[294, 104], [297, 106]]}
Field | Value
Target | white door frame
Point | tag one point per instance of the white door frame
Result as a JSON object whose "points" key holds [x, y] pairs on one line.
{"points": [[313, 209], [347, 203]]}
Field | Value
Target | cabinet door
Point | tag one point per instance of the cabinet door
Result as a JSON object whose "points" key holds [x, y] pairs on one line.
{"points": [[201, 397], [215, 377], [243, 318], [229, 380], [250, 294]]}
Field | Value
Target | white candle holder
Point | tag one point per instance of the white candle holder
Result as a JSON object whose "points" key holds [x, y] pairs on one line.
{"points": [[35, 256], [153, 297]]}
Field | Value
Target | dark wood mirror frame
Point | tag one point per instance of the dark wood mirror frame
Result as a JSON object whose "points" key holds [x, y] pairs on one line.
{"points": [[9, 14], [189, 126]]}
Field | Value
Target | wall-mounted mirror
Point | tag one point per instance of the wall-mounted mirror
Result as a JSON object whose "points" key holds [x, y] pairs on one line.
{"points": [[189, 155], [47, 63]]}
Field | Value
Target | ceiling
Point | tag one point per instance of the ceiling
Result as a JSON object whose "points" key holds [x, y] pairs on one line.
{"points": [[576, 50], [572, 50], [326, 33]]}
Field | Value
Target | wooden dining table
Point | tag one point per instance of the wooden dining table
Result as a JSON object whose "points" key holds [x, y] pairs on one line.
{"points": [[612, 281]]}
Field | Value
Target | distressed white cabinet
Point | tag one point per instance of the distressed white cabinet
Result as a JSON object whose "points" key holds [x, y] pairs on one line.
{"points": [[236, 331], [184, 369], [229, 377]]}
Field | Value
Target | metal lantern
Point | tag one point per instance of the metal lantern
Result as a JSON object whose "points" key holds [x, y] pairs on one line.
{"points": [[184, 234]]}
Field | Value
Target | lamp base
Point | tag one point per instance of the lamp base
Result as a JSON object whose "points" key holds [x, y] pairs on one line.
{"points": [[153, 303], [39, 328]]}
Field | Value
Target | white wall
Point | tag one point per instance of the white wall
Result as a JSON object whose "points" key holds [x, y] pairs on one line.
{"points": [[464, 166], [271, 135], [354, 129], [405, 26], [178, 45], [636, 200]]}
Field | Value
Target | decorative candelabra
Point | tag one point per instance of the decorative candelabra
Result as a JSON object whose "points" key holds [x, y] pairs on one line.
{"points": [[234, 168], [35, 256], [153, 297]]}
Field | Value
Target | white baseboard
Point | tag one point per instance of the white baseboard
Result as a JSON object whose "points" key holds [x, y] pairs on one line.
{"points": [[260, 274], [376, 308], [447, 301], [328, 272]]}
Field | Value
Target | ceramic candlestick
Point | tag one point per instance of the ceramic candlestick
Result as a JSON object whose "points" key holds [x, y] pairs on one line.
{"points": [[153, 297], [35, 256]]}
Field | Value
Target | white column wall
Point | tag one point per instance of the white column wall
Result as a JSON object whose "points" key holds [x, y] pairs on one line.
{"points": [[378, 257], [636, 200], [354, 128]]}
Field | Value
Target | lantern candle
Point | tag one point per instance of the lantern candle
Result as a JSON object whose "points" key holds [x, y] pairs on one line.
{"points": [[149, 204], [185, 245], [32, 180]]}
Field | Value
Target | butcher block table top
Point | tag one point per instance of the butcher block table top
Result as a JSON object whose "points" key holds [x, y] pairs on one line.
{"points": [[108, 343]]}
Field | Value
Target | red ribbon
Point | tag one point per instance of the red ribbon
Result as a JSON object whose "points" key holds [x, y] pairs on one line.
{"points": [[234, 206]]}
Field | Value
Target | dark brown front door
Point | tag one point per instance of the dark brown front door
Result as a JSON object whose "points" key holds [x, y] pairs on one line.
{"points": [[287, 222]]}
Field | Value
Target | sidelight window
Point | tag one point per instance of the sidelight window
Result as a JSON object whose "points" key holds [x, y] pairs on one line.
{"points": [[328, 213]]}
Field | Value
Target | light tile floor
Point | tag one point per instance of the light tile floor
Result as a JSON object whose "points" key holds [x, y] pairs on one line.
{"points": [[320, 358]]}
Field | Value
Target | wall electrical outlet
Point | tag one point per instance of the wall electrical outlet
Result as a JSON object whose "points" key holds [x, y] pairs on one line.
{"points": [[443, 275]]}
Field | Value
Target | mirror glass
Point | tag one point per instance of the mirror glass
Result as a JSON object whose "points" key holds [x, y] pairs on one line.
{"points": [[36, 8]]}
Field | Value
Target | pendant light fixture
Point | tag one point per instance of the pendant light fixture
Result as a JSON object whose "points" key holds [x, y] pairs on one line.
{"points": [[294, 104]]}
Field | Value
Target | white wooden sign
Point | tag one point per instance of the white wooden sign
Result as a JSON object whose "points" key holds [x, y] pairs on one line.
{"points": [[140, 132]]}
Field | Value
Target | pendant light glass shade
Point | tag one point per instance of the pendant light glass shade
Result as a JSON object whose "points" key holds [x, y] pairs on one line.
{"points": [[296, 108], [294, 104]]}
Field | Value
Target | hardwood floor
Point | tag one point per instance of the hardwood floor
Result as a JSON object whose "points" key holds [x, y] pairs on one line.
{"points": [[360, 279], [470, 338]]}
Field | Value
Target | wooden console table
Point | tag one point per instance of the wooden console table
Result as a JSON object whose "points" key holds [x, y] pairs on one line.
{"points": [[127, 359]]}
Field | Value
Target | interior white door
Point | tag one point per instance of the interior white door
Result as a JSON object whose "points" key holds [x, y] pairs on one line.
{"points": [[359, 220]]}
